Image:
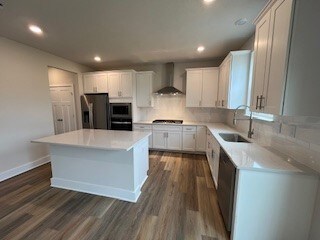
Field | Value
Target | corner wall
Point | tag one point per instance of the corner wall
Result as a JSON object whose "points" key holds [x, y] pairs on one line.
{"points": [[25, 106]]}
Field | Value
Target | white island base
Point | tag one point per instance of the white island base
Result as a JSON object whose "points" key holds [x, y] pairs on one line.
{"points": [[112, 173]]}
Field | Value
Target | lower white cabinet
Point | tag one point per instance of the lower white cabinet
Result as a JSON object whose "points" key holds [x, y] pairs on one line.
{"points": [[167, 137], [159, 139], [144, 128], [215, 160], [201, 138], [213, 155], [175, 137], [189, 141], [174, 140]]}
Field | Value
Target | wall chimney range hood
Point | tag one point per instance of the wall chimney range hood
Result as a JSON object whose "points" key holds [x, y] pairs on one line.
{"points": [[170, 89]]}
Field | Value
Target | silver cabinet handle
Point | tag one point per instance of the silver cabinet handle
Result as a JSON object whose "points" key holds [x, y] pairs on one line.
{"points": [[222, 103], [60, 120], [260, 105], [194, 136], [257, 102]]}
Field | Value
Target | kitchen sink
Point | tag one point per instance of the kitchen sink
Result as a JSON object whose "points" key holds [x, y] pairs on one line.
{"points": [[233, 137]]}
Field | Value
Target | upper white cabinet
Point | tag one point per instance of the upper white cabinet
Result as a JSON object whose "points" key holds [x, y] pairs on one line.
{"points": [[95, 82], [145, 89], [233, 79], [202, 87], [272, 38], [120, 84]]}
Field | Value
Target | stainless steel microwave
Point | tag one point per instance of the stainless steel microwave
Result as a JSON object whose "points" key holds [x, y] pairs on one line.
{"points": [[121, 110]]}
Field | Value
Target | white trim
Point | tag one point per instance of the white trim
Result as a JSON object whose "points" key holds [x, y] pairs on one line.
{"points": [[61, 85], [23, 168], [106, 191]]}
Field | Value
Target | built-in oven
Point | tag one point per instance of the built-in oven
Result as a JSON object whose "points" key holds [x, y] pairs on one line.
{"points": [[121, 110], [121, 116]]}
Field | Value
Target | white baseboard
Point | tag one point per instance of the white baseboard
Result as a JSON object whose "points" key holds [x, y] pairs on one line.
{"points": [[23, 168], [106, 191]]}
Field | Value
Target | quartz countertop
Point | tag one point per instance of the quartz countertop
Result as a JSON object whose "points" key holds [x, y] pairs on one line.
{"points": [[96, 138], [249, 156]]}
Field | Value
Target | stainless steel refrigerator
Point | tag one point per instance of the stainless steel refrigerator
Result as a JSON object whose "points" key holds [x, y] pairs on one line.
{"points": [[95, 111]]}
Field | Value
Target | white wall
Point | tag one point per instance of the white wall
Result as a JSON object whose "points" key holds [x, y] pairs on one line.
{"points": [[25, 108], [61, 77]]}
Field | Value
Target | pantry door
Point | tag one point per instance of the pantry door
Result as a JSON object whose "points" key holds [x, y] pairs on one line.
{"points": [[63, 108]]}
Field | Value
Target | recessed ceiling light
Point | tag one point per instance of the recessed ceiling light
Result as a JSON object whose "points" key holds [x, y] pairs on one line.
{"points": [[35, 29], [200, 49], [97, 59], [208, 1], [241, 21]]}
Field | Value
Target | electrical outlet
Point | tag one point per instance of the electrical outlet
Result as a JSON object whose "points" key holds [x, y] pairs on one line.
{"points": [[1, 4]]}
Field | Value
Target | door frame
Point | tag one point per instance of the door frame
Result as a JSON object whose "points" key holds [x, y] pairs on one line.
{"points": [[74, 103]]}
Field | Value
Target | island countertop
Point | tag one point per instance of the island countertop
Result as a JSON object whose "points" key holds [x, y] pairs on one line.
{"points": [[97, 139]]}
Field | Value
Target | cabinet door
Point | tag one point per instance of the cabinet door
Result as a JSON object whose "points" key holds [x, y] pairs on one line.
{"points": [[101, 82], [144, 90], [174, 140], [260, 60], [114, 85], [88, 83], [194, 88], [215, 160], [126, 85], [159, 139], [279, 39], [189, 141], [201, 139], [221, 86], [210, 80], [226, 83]]}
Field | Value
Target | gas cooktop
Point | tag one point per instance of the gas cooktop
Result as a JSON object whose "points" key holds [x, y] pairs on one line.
{"points": [[168, 121]]}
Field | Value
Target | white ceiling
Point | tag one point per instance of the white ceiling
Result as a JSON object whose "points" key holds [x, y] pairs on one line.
{"points": [[130, 31]]}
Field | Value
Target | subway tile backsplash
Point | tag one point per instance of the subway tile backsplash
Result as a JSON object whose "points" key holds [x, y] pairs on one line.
{"points": [[173, 107], [296, 137]]}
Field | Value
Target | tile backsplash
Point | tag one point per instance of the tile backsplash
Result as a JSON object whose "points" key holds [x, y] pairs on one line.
{"points": [[173, 107], [296, 137]]}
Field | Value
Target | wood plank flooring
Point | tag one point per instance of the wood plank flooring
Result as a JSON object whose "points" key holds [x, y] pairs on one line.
{"points": [[178, 201]]}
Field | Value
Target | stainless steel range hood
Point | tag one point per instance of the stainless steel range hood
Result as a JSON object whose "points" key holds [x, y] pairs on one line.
{"points": [[170, 89]]}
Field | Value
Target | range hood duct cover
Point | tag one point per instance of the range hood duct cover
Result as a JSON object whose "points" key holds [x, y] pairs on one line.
{"points": [[169, 77]]}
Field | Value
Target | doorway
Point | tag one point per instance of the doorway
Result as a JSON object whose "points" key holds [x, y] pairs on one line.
{"points": [[63, 108]]}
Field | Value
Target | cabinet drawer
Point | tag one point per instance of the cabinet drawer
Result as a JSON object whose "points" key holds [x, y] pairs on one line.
{"points": [[142, 127], [167, 128], [189, 128]]}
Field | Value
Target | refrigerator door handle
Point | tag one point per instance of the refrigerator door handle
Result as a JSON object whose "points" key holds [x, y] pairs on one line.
{"points": [[90, 105]]}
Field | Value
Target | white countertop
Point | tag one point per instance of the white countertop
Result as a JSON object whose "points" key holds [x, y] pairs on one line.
{"points": [[249, 156], [96, 138]]}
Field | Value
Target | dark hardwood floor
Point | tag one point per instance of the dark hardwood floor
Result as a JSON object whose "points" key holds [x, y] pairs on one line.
{"points": [[178, 201]]}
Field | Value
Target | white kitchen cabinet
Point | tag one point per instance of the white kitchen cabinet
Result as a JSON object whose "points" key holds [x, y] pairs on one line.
{"points": [[273, 29], [167, 137], [202, 87], [144, 128], [145, 89], [233, 80], [201, 137], [174, 140], [215, 160], [159, 139], [95, 82], [189, 141], [120, 84]]}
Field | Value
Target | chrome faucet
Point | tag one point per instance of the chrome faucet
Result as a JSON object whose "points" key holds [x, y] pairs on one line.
{"points": [[251, 130]]}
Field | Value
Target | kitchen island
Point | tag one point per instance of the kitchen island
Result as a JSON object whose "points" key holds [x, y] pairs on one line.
{"points": [[101, 162]]}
